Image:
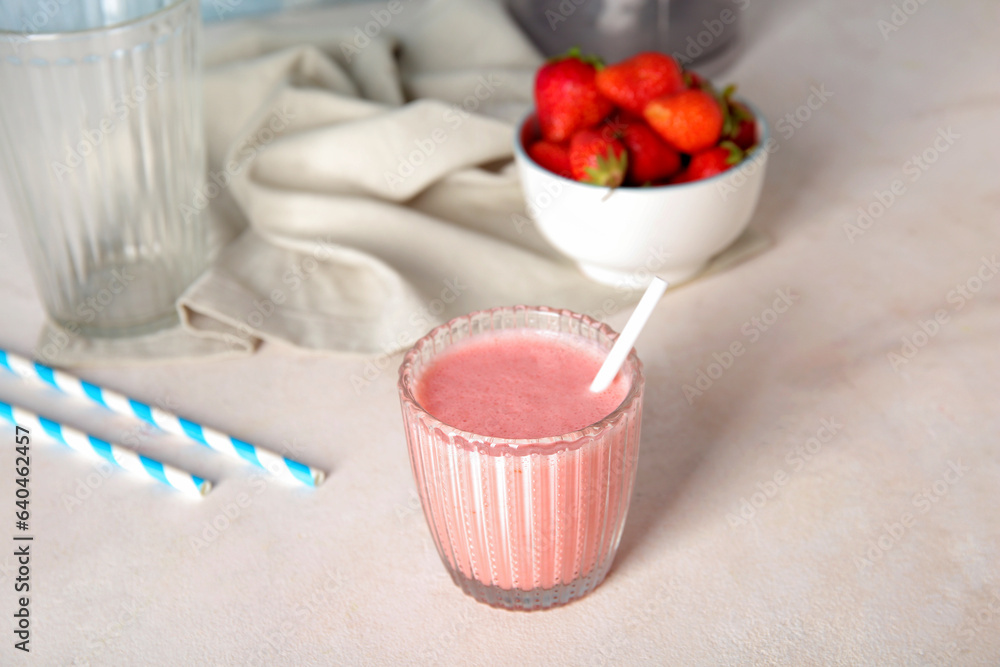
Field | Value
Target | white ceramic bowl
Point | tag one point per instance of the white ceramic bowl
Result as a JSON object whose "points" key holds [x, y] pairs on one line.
{"points": [[634, 233]]}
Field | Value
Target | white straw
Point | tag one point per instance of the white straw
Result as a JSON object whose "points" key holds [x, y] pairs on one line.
{"points": [[616, 357]]}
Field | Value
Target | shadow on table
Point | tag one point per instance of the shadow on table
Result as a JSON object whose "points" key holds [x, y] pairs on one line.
{"points": [[676, 440]]}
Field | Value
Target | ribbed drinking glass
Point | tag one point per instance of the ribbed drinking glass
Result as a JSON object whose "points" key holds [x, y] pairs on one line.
{"points": [[523, 523], [103, 149]]}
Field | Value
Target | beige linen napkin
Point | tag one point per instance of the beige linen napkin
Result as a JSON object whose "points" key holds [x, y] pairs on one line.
{"points": [[361, 184]]}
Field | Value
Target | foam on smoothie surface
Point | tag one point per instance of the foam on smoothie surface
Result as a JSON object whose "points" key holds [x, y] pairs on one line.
{"points": [[519, 383]]}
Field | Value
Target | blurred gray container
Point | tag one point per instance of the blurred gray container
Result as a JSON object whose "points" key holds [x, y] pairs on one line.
{"points": [[693, 31]]}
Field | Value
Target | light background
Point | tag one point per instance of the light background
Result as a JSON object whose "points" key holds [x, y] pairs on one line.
{"points": [[348, 574]]}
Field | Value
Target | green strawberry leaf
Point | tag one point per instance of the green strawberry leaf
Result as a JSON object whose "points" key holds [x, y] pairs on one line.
{"points": [[735, 154], [729, 123], [576, 53], [740, 112], [610, 169]]}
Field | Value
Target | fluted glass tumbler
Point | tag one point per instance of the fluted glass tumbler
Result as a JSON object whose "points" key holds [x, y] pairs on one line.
{"points": [[523, 523], [103, 150]]}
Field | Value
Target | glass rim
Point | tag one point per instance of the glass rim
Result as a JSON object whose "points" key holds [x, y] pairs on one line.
{"points": [[571, 440], [12, 35]]}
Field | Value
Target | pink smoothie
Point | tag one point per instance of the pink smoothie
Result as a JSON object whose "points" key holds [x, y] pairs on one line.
{"points": [[548, 519], [520, 383]]}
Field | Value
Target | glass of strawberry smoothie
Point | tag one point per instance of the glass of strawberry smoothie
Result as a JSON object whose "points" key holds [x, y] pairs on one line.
{"points": [[524, 475]]}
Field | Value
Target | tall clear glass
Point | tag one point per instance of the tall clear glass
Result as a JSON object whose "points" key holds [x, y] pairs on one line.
{"points": [[103, 149], [530, 523]]}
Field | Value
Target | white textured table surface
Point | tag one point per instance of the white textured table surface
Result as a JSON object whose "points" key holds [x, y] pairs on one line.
{"points": [[820, 503]]}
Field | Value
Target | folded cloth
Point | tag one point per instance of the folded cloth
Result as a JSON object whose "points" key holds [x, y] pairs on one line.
{"points": [[361, 185]]}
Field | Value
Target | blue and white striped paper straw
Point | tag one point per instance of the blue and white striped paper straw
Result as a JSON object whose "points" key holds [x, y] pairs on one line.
{"points": [[119, 456], [276, 464]]}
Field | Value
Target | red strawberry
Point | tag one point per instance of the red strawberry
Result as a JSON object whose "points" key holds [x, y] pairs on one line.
{"points": [[633, 83], [597, 158], [567, 98], [690, 121], [745, 135], [551, 156], [710, 162], [650, 159]]}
